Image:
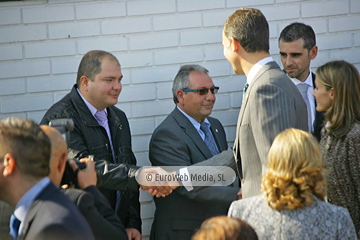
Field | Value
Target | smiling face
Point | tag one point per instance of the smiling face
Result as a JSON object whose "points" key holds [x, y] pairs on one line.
{"points": [[324, 98], [106, 86], [296, 59], [195, 105]]}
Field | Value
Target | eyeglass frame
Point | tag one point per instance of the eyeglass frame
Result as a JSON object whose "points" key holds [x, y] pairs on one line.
{"points": [[202, 91]]}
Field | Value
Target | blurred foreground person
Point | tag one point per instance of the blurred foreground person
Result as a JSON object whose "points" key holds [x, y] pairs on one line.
{"points": [[338, 93], [41, 210], [292, 204], [225, 228]]}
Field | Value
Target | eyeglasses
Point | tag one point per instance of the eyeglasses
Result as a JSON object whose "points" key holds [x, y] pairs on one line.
{"points": [[202, 91]]}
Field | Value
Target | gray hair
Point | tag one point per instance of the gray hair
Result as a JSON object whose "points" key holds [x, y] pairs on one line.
{"points": [[181, 80]]}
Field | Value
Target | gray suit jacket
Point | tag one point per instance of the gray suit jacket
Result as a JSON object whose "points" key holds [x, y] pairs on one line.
{"points": [[272, 104], [176, 142]]}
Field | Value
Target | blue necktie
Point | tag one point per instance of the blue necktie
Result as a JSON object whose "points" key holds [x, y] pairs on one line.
{"points": [[209, 138], [14, 226], [101, 117]]}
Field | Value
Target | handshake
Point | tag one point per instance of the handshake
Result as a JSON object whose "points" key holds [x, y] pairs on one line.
{"points": [[149, 180]]}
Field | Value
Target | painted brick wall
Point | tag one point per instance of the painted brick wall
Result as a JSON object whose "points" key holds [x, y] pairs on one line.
{"points": [[42, 42]]}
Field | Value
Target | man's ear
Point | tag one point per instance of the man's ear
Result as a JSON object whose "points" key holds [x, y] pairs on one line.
{"points": [[180, 96], [62, 163], [84, 81], [234, 44], [9, 164], [313, 52]]}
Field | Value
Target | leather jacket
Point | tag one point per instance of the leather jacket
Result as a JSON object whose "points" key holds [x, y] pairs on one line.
{"points": [[90, 138]]}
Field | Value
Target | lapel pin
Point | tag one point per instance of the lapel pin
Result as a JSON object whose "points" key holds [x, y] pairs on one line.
{"points": [[216, 130]]}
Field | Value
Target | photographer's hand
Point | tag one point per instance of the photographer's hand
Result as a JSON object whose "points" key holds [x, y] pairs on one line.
{"points": [[86, 177]]}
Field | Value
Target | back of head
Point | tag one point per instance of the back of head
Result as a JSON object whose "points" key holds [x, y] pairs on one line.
{"points": [[344, 78], [181, 80], [58, 153], [225, 228], [90, 64], [28, 144], [249, 27], [295, 171], [296, 31]]}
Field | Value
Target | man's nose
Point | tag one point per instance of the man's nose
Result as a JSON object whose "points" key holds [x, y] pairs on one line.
{"points": [[117, 85]]}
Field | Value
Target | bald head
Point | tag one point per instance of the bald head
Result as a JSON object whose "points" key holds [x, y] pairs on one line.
{"points": [[58, 153]]}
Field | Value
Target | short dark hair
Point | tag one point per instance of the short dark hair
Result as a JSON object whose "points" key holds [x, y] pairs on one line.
{"points": [[250, 28], [90, 64], [296, 31], [181, 80], [28, 144]]}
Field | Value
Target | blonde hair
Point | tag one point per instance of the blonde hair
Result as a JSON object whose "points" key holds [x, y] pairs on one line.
{"points": [[225, 228], [295, 171], [344, 78]]}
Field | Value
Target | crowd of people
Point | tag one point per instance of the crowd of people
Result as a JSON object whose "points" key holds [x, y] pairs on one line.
{"points": [[296, 152]]}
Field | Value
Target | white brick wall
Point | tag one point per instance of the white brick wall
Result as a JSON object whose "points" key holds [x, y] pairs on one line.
{"points": [[41, 45]]}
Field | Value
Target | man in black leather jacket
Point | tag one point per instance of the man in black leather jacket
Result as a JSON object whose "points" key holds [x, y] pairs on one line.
{"points": [[98, 87]]}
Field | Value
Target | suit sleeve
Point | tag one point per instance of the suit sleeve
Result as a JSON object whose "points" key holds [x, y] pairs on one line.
{"points": [[101, 218], [167, 149], [273, 113]]}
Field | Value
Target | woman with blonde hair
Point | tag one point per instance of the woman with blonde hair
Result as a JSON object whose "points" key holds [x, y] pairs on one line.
{"points": [[337, 92], [292, 204]]}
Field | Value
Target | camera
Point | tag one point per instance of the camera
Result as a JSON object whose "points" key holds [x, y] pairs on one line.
{"points": [[65, 126]]}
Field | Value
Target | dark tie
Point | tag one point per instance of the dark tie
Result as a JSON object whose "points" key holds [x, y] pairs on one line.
{"points": [[101, 117], [209, 138], [14, 226], [303, 87], [244, 90]]}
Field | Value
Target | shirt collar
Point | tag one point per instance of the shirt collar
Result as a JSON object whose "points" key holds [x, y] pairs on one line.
{"points": [[308, 81], [195, 123], [92, 109], [255, 69], [23, 205]]}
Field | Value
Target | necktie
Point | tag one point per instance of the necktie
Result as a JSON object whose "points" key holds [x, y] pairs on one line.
{"points": [[14, 226], [101, 117], [244, 90], [209, 138], [303, 87]]}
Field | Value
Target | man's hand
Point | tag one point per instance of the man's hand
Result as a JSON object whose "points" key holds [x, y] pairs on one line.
{"points": [[133, 233], [86, 177], [154, 187]]}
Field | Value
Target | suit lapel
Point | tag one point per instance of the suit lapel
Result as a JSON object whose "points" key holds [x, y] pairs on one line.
{"points": [[215, 133], [190, 130], [33, 209]]}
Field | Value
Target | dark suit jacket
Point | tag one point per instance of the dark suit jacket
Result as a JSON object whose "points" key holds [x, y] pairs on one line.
{"points": [[272, 104], [175, 142], [319, 117], [5, 213], [53, 216], [93, 206], [98, 213]]}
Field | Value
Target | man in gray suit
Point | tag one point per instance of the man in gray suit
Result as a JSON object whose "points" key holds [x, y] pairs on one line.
{"points": [[271, 102], [297, 43], [188, 136], [41, 210]]}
